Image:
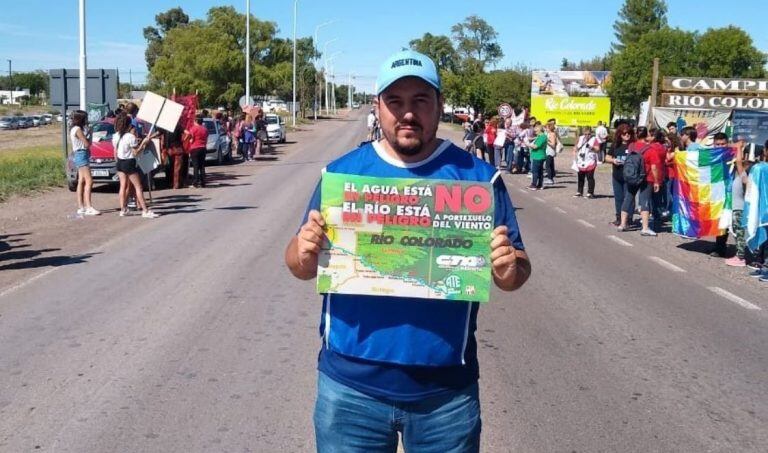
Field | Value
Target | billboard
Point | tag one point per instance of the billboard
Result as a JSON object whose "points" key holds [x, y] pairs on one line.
{"points": [[570, 83], [573, 98], [574, 112]]}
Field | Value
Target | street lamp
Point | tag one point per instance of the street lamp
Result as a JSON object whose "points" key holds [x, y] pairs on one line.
{"points": [[248, 52], [10, 81], [327, 99], [325, 71], [314, 43], [293, 108], [83, 103]]}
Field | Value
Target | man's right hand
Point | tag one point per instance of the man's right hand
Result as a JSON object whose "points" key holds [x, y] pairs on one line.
{"points": [[310, 239]]}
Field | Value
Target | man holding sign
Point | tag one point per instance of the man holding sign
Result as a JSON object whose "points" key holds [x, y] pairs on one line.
{"points": [[414, 217]]}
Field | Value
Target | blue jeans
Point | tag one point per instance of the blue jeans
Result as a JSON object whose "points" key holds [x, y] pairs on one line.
{"points": [[537, 168], [349, 421], [511, 156], [497, 156]]}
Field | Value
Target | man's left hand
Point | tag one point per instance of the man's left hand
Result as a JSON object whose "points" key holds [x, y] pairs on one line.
{"points": [[510, 266]]}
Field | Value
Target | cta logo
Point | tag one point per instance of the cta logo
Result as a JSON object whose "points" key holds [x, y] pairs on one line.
{"points": [[450, 261]]}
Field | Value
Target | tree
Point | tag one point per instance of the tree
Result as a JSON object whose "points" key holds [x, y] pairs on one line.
{"points": [[207, 56], [597, 63], [729, 52], [633, 68], [439, 48], [166, 21], [36, 82], [636, 18], [512, 86], [476, 40]]}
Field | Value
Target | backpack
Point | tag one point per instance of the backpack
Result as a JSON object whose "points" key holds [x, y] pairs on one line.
{"points": [[634, 167]]}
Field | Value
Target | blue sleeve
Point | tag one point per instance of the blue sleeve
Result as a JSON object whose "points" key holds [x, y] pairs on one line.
{"points": [[505, 213], [314, 203]]}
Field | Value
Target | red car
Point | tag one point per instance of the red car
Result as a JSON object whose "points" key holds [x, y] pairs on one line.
{"points": [[102, 163]]}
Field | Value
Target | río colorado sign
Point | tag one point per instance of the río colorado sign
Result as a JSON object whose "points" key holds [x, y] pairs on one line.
{"points": [[713, 93]]}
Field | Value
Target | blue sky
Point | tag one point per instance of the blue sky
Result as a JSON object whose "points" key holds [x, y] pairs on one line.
{"points": [[42, 34]]}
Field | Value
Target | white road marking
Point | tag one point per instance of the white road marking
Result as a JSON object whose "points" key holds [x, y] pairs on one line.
{"points": [[585, 223], [666, 264], [733, 298], [521, 190], [28, 281], [561, 210], [619, 241], [540, 200]]}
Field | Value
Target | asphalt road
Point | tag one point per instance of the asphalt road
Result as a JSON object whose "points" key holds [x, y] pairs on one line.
{"points": [[188, 334]]}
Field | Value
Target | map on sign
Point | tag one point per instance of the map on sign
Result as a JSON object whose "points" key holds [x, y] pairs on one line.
{"points": [[420, 238]]}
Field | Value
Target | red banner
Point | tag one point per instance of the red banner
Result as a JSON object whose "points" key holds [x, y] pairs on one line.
{"points": [[190, 109]]}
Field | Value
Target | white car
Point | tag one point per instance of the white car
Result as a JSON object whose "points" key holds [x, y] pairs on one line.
{"points": [[275, 128]]}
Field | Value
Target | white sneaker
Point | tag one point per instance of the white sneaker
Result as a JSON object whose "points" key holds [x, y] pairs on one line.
{"points": [[92, 211], [124, 212], [81, 211], [648, 232], [149, 214]]}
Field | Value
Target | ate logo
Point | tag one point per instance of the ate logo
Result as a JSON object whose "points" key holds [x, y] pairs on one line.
{"points": [[453, 282]]}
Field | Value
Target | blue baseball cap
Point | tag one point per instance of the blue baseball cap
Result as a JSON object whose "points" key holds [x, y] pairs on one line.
{"points": [[407, 63]]}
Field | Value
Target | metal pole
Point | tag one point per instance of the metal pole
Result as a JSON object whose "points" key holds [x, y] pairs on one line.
{"points": [[654, 90], [10, 82], [349, 91], [293, 106], [325, 85], [83, 66], [317, 81], [248, 52]]}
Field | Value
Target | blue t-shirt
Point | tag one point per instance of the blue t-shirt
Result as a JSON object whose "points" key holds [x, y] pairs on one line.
{"points": [[406, 349]]}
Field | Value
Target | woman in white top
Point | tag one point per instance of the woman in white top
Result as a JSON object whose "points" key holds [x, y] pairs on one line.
{"points": [[81, 156], [585, 160], [127, 147]]}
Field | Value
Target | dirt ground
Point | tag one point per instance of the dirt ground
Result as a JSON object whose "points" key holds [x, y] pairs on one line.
{"points": [[42, 231], [49, 135]]}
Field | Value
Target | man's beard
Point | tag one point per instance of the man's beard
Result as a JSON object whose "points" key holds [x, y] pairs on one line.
{"points": [[414, 144]]}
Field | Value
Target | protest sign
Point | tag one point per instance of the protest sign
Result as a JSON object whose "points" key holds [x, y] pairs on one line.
{"points": [[417, 238], [149, 158], [750, 126], [160, 112]]}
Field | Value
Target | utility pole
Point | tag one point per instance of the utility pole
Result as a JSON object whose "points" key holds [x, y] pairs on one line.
{"points": [[293, 106], [318, 101], [10, 82], [349, 91], [83, 66], [654, 90], [248, 52], [130, 79]]}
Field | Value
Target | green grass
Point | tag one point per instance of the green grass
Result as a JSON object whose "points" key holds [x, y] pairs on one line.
{"points": [[29, 170]]}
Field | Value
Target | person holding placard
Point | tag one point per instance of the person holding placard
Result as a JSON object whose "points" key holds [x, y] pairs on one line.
{"points": [[385, 355], [127, 147]]}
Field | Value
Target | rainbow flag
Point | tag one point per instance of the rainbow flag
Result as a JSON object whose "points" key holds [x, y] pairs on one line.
{"points": [[702, 192]]}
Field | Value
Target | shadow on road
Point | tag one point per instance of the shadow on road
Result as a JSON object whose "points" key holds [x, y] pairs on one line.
{"points": [[177, 204], [236, 208]]}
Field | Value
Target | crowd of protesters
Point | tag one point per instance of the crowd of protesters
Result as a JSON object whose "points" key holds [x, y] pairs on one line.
{"points": [[642, 171], [246, 136]]}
